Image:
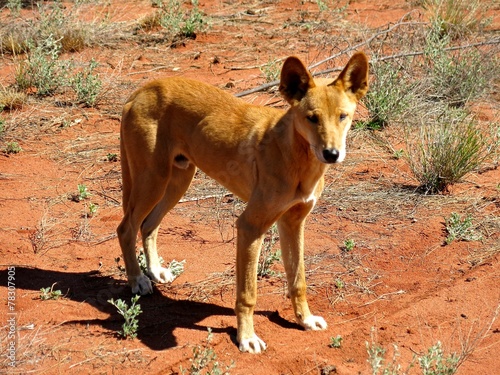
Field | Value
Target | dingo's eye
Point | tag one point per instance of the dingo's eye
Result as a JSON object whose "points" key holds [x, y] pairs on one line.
{"points": [[313, 119], [343, 116]]}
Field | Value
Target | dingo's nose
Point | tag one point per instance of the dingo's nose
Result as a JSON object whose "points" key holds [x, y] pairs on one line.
{"points": [[331, 155]]}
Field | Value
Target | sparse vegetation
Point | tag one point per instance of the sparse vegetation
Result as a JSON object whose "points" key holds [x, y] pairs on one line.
{"points": [[457, 17], [427, 81], [204, 360], [174, 17], [130, 314], [378, 362], [87, 85], [271, 70], [268, 255], [456, 78], [433, 362], [446, 149], [12, 148], [335, 342], [82, 194], [349, 245], [392, 95], [49, 293], [460, 230], [42, 70]]}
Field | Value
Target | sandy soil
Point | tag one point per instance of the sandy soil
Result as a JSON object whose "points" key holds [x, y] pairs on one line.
{"points": [[399, 285]]}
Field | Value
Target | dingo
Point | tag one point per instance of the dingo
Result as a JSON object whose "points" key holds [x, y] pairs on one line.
{"points": [[274, 160]]}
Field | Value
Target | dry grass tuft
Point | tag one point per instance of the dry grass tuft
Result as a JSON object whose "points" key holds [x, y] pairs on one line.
{"points": [[457, 17], [11, 99]]}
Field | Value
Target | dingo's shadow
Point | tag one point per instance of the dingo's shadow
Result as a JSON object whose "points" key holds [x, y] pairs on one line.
{"points": [[160, 316]]}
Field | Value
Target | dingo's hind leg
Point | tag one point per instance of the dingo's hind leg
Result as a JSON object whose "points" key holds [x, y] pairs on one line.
{"points": [[146, 191], [178, 184]]}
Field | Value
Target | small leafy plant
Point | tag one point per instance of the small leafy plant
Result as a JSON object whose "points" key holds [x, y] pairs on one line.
{"points": [[460, 230], [12, 148], [435, 362], [175, 266], [130, 314], [378, 362], [205, 361], [271, 70], [339, 283], [41, 69], [268, 257], [83, 193], [92, 209], [349, 245], [49, 293], [87, 85], [335, 342], [111, 157]]}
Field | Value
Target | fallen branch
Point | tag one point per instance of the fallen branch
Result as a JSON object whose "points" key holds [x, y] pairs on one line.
{"points": [[380, 59], [343, 52]]}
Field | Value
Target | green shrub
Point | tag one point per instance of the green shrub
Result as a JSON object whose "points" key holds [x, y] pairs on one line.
{"points": [[50, 293], [12, 148], [130, 314], [87, 85], [460, 230], [41, 69], [335, 342], [457, 17], [446, 149], [456, 77], [205, 361], [435, 362], [271, 70], [391, 96], [179, 21]]}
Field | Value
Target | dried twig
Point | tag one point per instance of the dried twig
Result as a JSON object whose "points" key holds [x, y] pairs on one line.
{"points": [[364, 43], [343, 52]]}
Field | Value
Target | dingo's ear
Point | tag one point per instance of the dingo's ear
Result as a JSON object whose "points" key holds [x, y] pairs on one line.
{"points": [[295, 80], [354, 77]]}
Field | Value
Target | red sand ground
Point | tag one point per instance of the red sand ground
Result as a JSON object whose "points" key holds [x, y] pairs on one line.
{"points": [[399, 285]]}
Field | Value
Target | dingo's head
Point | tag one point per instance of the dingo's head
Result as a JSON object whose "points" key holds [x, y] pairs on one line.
{"points": [[323, 109]]}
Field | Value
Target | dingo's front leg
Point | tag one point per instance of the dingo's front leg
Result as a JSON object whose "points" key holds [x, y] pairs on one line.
{"points": [[291, 231], [249, 240]]}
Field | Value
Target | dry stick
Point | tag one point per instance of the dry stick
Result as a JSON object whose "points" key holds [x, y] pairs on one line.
{"points": [[352, 48], [383, 58], [357, 46]]}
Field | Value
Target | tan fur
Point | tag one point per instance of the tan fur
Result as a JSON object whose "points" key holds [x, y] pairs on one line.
{"points": [[274, 160]]}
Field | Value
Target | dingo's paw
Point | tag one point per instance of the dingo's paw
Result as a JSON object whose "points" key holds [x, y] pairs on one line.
{"points": [[141, 285], [314, 323], [161, 275], [252, 345]]}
